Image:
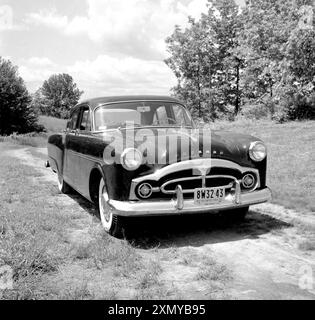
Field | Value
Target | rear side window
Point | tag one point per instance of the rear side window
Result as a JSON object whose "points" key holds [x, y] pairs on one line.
{"points": [[85, 123], [72, 124], [180, 115]]}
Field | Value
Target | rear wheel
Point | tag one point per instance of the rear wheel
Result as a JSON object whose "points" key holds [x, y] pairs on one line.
{"points": [[110, 221], [62, 185]]}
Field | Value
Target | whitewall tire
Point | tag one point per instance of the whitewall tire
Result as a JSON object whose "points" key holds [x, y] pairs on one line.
{"points": [[111, 222]]}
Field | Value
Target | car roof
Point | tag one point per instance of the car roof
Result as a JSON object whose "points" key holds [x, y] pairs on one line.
{"points": [[93, 103]]}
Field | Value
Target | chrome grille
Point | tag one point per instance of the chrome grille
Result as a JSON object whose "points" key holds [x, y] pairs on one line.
{"points": [[190, 183], [189, 175]]}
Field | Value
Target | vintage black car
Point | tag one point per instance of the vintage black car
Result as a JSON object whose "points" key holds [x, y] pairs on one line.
{"points": [[143, 156]]}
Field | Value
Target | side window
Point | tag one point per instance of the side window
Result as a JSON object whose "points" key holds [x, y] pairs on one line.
{"points": [[160, 117], [72, 124], [180, 115], [85, 123], [178, 112]]}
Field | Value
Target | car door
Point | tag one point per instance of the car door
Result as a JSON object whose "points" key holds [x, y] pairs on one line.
{"points": [[70, 170], [85, 144]]}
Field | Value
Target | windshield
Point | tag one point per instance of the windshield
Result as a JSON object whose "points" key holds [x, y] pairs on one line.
{"points": [[158, 114]]}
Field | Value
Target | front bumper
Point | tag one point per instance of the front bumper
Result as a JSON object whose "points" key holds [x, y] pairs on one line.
{"points": [[181, 206]]}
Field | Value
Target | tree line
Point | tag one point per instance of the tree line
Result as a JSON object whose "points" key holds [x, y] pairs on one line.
{"points": [[257, 60], [19, 110]]}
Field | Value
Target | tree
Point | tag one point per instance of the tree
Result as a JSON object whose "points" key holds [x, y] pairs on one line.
{"points": [[16, 113], [259, 57], [39, 102], [192, 57], [57, 96], [263, 40], [298, 90], [205, 60], [227, 26]]}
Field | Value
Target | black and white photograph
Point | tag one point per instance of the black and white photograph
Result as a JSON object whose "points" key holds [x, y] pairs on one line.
{"points": [[157, 150]]}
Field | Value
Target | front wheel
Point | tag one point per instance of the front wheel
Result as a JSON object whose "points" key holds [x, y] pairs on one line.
{"points": [[110, 221]]}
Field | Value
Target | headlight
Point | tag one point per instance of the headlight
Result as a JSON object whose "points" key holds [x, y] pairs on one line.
{"points": [[257, 151], [131, 159]]}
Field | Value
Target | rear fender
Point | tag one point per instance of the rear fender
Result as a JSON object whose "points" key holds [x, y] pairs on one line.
{"points": [[56, 148]]}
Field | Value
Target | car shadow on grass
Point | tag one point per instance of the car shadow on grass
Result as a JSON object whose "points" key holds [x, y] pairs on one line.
{"points": [[198, 230], [190, 230], [83, 203]]}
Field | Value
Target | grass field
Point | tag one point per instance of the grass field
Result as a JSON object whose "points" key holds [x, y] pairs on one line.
{"points": [[52, 125], [55, 250], [291, 162]]}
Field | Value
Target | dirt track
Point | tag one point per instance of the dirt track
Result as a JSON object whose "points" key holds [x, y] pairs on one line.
{"points": [[209, 257]]}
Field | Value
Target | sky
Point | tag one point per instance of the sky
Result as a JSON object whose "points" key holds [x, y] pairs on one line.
{"points": [[109, 47]]}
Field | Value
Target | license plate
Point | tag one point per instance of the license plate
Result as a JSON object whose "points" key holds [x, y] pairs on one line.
{"points": [[206, 196]]}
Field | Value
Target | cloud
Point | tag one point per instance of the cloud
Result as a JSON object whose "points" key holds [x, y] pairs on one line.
{"points": [[105, 75], [42, 62], [47, 18], [133, 27], [36, 70], [130, 37], [109, 75]]}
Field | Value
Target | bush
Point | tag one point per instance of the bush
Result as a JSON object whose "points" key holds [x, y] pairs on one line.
{"points": [[256, 111], [301, 108], [296, 106]]}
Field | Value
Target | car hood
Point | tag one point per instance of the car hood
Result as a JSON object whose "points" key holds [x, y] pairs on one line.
{"points": [[215, 144]]}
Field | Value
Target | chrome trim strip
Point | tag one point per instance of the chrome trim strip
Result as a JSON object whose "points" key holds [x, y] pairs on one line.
{"points": [[86, 157], [168, 207], [185, 191], [197, 164]]}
